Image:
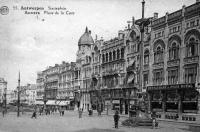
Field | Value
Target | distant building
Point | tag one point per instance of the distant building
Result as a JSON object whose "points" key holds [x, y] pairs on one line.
{"points": [[51, 81], [66, 88], [40, 86], [3, 90]]}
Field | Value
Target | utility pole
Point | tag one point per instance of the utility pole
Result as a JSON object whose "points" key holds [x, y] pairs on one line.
{"points": [[18, 97], [142, 45], [5, 100]]}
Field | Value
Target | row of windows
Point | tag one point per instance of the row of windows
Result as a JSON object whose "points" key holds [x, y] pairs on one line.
{"points": [[190, 76], [192, 23], [174, 29], [112, 56], [191, 50]]}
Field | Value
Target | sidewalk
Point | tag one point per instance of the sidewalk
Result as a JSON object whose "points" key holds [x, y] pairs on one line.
{"points": [[193, 123]]}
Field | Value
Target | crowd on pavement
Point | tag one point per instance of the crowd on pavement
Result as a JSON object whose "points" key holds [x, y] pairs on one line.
{"points": [[50, 110]]}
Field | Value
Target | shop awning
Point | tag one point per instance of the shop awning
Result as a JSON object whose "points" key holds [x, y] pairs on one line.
{"points": [[64, 103], [130, 78], [39, 102], [51, 102]]}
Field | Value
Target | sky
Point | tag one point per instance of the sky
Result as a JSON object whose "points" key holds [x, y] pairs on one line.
{"points": [[29, 43]]}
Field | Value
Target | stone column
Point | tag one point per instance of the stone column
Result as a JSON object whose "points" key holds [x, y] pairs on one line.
{"points": [[163, 104], [149, 102], [179, 106]]}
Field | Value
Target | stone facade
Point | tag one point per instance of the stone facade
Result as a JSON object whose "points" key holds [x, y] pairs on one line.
{"points": [[3, 90], [174, 66]]}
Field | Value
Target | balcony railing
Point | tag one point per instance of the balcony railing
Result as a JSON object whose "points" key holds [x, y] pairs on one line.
{"points": [[158, 65], [146, 67], [175, 62], [193, 59]]}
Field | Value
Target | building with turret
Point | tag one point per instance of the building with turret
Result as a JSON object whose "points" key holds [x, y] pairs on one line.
{"points": [[84, 64]]}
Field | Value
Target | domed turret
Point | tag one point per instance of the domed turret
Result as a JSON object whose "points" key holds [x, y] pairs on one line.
{"points": [[86, 38]]}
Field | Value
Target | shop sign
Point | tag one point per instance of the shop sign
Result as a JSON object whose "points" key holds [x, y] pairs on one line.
{"points": [[115, 101], [107, 102], [176, 86], [132, 102]]}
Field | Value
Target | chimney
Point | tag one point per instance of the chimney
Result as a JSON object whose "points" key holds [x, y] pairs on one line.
{"points": [[96, 37], [197, 1], [128, 26], [133, 21], [155, 15], [89, 31], [86, 29]]}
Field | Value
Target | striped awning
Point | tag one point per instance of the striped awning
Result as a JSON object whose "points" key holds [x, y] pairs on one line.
{"points": [[51, 102], [64, 103], [39, 102]]}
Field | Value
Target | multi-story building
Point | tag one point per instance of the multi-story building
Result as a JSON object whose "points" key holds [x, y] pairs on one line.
{"points": [[40, 87], [113, 72], [3, 90], [132, 53], [96, 74], [51, 81], [174, 73], [84, 64], [66, 84]]}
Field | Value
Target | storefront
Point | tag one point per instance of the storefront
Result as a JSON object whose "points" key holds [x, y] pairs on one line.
{"points": [[173, 101]]}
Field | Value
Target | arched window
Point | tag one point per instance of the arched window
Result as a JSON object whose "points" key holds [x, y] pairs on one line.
{"points": [[146, 57], [103, 58], [114, 55], [174, 51], [106, 57], [118, 54], [110, 56], [192, 47], [158, 55], [122, 53]]}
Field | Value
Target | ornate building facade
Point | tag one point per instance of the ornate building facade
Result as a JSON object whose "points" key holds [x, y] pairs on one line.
{"points": [[113, 72], [84, 65], [174, 74]]}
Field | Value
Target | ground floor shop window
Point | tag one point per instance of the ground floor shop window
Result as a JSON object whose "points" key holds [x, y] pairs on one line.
{"points": [[189, 107], [116, 107], [156, 106], [172, 106]]}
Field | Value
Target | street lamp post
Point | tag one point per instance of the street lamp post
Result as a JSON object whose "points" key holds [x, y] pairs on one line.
{"points": [[4, 97], [45, 93], [18, 96]]}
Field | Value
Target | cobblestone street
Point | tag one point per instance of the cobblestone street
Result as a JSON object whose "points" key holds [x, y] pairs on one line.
{"points": [[71, 123]]}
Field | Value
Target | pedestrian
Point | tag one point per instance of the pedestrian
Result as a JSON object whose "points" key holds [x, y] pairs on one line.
{"points": [[90, 112], [34, 114], [116, 119], [3, 112], [80, 113], [60, 111], [63, 111]]}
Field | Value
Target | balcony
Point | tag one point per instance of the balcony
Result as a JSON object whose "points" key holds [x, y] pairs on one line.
{"points": [[190, 60], [158, 65], [172, 63], [130, 68], [159, 21], [146, 67]]}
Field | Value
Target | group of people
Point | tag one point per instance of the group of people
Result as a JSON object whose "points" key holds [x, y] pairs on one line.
{"points": [[47, 111]]}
